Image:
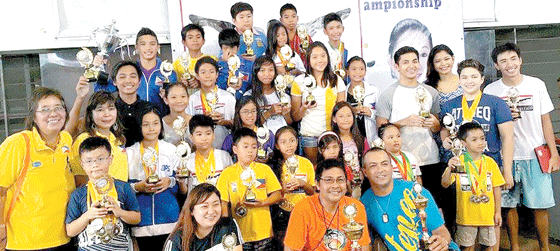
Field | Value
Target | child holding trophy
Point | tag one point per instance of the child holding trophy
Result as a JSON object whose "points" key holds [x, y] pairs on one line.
{"points": [[285, 59], [235, 72], [269, 90], [252, 42], [313, 97], [211, 100], [405, 165], [249, 188], [297, 34], [151, 166], [338, 55], [176, 123], [100, 212], [479, 193]]}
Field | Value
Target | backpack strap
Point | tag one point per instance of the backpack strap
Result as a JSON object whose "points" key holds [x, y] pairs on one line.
{"points": [[21, 178]]}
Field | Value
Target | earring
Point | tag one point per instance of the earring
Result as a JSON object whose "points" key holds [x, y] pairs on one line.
{"points": [[134, 52], [159, 51], [115, 127]]}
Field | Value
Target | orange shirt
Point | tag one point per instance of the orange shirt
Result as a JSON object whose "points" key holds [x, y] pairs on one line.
{"points": [[308, 225]]}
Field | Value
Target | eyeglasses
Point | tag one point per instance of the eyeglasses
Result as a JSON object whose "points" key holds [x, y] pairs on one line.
{"points": [[49, 110], [247, 112], [330, 181], [90, 162]]}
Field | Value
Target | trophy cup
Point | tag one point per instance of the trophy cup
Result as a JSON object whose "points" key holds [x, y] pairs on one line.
{"points": [[310, 84], [421, 96], [85, 58], [421, 203], [109, 226], [457, 149], [184, 60], [292, 165], [248, 179], [351, 160], [166, 70], [229, 241], [353, 229], [359, 94], [287, 54], [233, 65], [212, 100], [339, 71], [248, 40], [183, 149], [281, 85], [449, 124], [262, 137], [513, 100], [150, 159], [302, 34]]}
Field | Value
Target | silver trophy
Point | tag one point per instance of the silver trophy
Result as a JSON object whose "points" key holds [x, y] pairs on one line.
{"points": [[183, 149], [421, 95], [184, 60], [108, 227], [450, 125], [229, 241], [248, 40], [233, 65], [287, 54], [292, 164], [150, 160], [166, 69], [263, 135], [280, 84], [359, 94], [513, 100], [310, 84], [303, 37]]}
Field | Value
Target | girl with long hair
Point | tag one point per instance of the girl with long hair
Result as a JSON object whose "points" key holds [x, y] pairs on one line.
{"points": [[285, 59]]}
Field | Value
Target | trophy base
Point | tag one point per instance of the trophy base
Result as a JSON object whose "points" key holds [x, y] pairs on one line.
{"points": [[311, 100], [182, 174], [153, 179], [424, 114], [459, 169]]}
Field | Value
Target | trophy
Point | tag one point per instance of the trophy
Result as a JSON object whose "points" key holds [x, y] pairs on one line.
{"points": [[229, 241], [339, 71], [233, 65], [184, 60], [379, 143], [351, 160], [457, 149], [281, 85], [310, 84], [421, 95], [166, 70], [262, 137], [109, 226], [513, 100], [359, 94], [248, 40], [292, 165], [302, 34], [353, 229], [183, 149], [212, 100], [287, 53], [150, 159], [248, 179], [421, 203], [449, 124], [85, 58]]}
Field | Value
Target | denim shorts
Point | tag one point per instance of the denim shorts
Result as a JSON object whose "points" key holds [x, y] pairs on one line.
{"points": [[532, 187], [308, 141]]}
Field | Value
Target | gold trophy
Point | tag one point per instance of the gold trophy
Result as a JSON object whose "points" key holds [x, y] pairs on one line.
{"points": [[359, 94], [310, 84], [457, 149], [183, 149], [421, 203], [233, 65], [85, 58], [229, 241], [281, 85], [150, 159], [212, 100], [109, 226], [353, 229], [513, 100], [421, 95], [449, 124], [292, 165], [248, 40], [262, 137], [302, 34], [287, 54], [166, 70], [184, 60], [351, 160], [248, 179], [339, 71]]}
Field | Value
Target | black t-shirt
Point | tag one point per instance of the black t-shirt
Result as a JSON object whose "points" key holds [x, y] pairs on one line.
{"points": [[128, 114], [225, 226]]}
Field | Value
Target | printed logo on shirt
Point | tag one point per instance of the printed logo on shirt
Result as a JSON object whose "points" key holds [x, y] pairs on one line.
{"points": [[408, 225], [233, 186], [466, 187], [65, 149], [36, 164], [261, 183], [165, 168], [259, 42], [525, 103]]}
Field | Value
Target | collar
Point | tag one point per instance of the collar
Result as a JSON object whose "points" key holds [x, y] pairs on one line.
{"points": [[41, 145]]}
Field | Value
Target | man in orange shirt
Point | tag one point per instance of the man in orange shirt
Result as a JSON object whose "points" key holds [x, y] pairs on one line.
{"points": [[317, 222]]}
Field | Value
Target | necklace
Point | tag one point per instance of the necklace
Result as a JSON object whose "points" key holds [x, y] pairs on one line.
{"points": [[385, 216]]}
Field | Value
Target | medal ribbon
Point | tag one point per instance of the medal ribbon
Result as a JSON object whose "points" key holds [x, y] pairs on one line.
{"points": [[205, 169], [147, 170], [205, 106], [330, 100], [94, 196], [281, 57], [404, 168], [478, 175], [469, 111]]}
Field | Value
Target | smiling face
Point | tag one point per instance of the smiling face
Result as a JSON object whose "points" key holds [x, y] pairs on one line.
{"points": [[470, 80], [105, 115], [50, 115], [318, 59], [127, 80], [177, 99], [203, 137], [248, 115], [151, 126], [475, 142], [290, 19], [244, 20], [266, 73], [509, 63], [96, 163], [421, 43], [332, 185], [281, 37], [334, 31], [194, 40], [207, 75], [408, 66], [147, 46], [344, 118], [357, 71], [207, 213], [246, 150], [287, 144], [378, 169], [392, 139], [443, 62]]}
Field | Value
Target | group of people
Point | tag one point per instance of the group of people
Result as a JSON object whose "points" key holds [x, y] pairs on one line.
{"points": [[279, 144]]}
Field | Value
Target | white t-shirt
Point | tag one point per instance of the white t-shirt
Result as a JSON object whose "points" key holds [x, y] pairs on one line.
{"points": [[533, 103], [275, 122], [413, 165], [314, 122], [225, 106], [399, 102], [222, 160]]}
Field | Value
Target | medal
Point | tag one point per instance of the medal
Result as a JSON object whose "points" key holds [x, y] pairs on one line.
{"points": [[334, 239], [474, 199], [484, 198]]}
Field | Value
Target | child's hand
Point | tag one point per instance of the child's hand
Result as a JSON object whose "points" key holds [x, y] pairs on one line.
{"points": [[162, 184], [217, 117], [114, 206], [95, 211], [193, 83], [286, 109], [447, 143], [437, 242], [515, 113], [250, 58], [498, 219], [144, 187], [276, 109], [453, 162], [309, 105]]}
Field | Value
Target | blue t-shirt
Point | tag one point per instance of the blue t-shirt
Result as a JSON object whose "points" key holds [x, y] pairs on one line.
{"points": [[491, 112], [403, 229], [246, 69], [78, 206]]}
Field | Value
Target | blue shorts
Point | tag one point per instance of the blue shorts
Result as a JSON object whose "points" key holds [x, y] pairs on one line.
{"points": [[308, 141], [532, 186]]}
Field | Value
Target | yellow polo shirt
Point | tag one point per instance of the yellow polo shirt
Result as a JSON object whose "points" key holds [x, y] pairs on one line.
{"points": [[257, 224], [37, 219], [305, 172], [119, 166]]}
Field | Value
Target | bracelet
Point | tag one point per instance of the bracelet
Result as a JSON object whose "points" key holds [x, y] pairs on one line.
{"points": [[133, 188], [172, 182]]}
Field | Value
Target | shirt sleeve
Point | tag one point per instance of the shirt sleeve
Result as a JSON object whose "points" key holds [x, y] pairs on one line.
{"points": [[384, 104], [296, 90], [12, 155], [75, 163], [223, 74], [272, 183], [222, 186], [230, 107], [308, 167], [497, 177], [503, 114], [173, 243], [73, 211], [545, 102], [190, 109], [340, 85], [436, 108], [130, 202]]}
